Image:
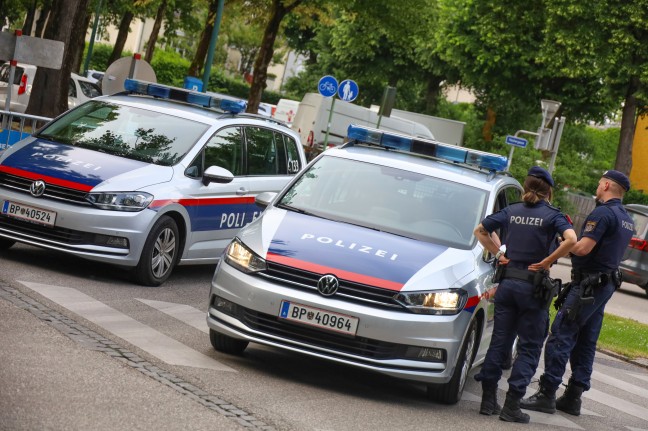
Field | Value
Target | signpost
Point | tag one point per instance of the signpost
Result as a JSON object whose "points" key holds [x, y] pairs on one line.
{"points": [[327, 87]]}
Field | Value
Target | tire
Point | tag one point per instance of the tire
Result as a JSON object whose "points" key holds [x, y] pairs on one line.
{"points": [[6, 243], [450, 393], [160, 253], [226, 344]]}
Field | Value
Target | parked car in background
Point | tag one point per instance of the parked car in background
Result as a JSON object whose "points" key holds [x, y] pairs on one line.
{"points": [[145, 179], [80, 89], [634, 265], [368, 259], [286, 110], [95, 76]]}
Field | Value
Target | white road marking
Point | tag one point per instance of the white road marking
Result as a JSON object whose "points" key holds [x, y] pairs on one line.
{"points": [[184, 313], [146, 338]]}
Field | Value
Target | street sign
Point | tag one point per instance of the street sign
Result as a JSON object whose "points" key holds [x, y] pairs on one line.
{"points": [[348, 90], [32, 50], [516, 142], [327, 86]]}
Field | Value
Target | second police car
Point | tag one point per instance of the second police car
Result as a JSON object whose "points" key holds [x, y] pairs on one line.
{"points": [[144, 179], [368, 258]]}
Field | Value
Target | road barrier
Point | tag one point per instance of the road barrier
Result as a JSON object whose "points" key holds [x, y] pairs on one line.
{"points": [[15, 126]]}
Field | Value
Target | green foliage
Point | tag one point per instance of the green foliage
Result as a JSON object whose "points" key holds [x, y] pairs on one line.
{"points": [[170, 67], [237, 87], [100, 55]]}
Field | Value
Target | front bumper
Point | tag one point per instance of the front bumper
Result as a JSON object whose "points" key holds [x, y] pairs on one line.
{"points": [[383, 335], [80, 230]]}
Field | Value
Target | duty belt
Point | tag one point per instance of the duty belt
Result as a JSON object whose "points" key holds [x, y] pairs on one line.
{"points": [[520, 274]]}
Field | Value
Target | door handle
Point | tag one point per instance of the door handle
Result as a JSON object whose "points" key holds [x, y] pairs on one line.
{"points": [[242, 191]]}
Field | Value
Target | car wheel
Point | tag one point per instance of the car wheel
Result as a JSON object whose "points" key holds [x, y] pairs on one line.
{"points": [[226, 344], [450, 393], [6, 243], [160, 253]]}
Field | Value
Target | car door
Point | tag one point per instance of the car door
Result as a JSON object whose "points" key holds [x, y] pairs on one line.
{"points": [[217, 211]]}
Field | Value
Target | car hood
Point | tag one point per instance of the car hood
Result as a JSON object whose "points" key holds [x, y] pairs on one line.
{"points": [[355, 253], [79, 168]]}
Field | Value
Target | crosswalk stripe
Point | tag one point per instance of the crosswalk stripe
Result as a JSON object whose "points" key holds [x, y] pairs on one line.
{"points": [[184, 313], [620, 384], [146, 338]]}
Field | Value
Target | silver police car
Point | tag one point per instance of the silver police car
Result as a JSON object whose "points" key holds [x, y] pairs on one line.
{"points": [[146, 179], [368, 258]]}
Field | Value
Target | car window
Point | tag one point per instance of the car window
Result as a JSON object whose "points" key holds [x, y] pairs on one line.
{"points": [[6, 70], [292, 154], [392, 200], [126, 131], [72, 89], [640, 223], [89, 89], [225, 149], [261, 151]]}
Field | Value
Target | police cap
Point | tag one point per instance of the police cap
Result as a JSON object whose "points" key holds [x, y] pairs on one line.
{"points": [[541, 173], [619, 178]]}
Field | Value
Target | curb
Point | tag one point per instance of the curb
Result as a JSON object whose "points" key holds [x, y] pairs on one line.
{"points": [[640, 362]]}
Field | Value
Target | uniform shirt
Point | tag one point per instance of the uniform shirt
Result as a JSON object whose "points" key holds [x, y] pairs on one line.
{"points": [[529, 230], [612, 228]]}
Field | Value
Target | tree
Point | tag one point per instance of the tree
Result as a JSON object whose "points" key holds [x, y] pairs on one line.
{"points": [[159, 16], [49, 95], [278, 11], [198, 62]]}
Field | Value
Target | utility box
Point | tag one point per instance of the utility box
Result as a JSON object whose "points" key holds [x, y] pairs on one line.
{"points": [[192, 83]]}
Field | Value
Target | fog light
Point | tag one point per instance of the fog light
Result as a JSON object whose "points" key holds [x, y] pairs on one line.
{"points": [[227, 307], [428, 354], [111, 241]]}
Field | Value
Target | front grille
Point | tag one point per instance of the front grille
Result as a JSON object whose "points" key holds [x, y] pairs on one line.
{"points": [[22, 184], [359, 346], [306, 280], [58, 234]]}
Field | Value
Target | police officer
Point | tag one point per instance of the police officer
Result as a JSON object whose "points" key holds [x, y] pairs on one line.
{"points": [[524, 292], [604, 238]]}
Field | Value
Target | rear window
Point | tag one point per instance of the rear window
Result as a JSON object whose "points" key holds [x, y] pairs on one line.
{"points": [[5, 71], [640, 223], [391, 200], [89, 89], [125, 131]]}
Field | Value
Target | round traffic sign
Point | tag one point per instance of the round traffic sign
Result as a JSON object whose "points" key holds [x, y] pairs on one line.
{"points": [[327, 86], [348, 90]]}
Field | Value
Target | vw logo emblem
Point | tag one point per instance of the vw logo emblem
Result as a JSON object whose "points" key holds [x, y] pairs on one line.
{"points": [[37, 188], [328, 285]]}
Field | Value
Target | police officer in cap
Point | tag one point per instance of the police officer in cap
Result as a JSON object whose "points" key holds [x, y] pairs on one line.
{"points": [[522, 300], [604, 238]]}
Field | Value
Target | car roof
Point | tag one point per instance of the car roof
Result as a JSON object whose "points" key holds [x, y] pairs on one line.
{"points": [[455, 172], [642, 209]]}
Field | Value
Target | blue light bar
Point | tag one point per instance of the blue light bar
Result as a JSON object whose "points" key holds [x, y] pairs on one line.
{"points": [[451, 153], [182, 95]]}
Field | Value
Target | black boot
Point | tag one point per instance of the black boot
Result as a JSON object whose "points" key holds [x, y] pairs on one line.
{"points": [[511, 411], [542, 401], [570, 401], [489, 404]]}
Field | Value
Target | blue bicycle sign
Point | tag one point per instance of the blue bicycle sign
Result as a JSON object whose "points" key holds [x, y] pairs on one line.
{"points": [[327, 86]]}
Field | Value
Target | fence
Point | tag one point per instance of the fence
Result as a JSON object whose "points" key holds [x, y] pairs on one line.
{"points": [[583, 206], [15, 126]]}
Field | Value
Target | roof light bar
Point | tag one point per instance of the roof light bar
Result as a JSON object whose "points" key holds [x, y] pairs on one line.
{"points": [[452, 153], [182, 95]]}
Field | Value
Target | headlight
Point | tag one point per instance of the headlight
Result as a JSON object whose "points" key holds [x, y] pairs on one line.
{"points": [[433, 302], [242, 258], [120, 201]]}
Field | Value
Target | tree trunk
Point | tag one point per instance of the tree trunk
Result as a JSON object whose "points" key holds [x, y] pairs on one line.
{"points": [[42, 18], [29, 20], [76, 61], [122, 35], [198, 62], [264, 57], [432, 94], [487, 129], [49, 95], [150, 47], [628, 118]]}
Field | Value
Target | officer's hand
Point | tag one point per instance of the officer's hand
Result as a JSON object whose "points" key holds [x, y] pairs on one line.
{"points": [[544, 264], [503, 260]]}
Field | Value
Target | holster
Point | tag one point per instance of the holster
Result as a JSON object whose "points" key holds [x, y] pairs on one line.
{"points": [[545, 288]]}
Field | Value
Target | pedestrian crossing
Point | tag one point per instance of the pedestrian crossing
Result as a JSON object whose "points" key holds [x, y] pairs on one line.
{"points": [[171, 351]]}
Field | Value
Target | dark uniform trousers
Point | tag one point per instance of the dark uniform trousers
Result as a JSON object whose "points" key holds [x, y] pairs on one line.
{"points": [[578, 336], [517, 313]]}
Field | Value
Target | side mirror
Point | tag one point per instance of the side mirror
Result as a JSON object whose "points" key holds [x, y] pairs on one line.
{"points": [[265, 199], [216, 174]]}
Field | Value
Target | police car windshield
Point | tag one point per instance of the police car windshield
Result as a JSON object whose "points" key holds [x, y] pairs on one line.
{"points": [[125, 131], [391, 200]]}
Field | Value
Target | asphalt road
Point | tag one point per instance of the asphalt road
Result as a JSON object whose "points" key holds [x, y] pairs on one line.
{"points": [[83, 348]]}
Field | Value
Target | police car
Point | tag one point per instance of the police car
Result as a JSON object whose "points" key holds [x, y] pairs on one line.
{"points": [[146, 179], [368, 259]]}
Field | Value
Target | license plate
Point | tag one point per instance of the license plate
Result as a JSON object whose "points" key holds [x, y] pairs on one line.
{"points": [[28, 213], [319, 318]]}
